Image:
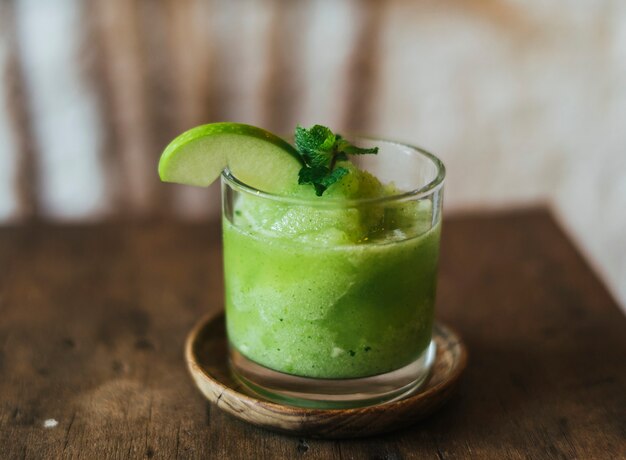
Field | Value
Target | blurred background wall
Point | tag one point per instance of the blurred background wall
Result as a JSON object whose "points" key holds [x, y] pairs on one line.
{"points": [[524, 100]]}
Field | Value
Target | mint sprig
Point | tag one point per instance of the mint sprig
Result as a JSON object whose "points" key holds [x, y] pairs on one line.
{"points": [[321, 149]]}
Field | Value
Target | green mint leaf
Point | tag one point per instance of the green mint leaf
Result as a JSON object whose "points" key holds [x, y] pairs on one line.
{"points": [[334, 176], [346, 147], [320, 177], [321, 149], [312, 174], [315, 145]]}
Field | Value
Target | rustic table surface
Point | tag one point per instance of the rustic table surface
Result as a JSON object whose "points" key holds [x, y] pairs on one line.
{"points": [[93, 319]]}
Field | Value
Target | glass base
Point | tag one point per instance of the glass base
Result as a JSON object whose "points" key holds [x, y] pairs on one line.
{"points": [[331, 393]]}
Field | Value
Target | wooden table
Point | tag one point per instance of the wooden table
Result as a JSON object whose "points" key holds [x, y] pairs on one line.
{"points": [[93, 320]]}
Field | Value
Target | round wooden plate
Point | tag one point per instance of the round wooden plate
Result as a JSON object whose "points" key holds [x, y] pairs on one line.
{"points": [[206, 353]]}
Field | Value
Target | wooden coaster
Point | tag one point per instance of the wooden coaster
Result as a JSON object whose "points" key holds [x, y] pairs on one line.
{"points": [[206, 353]]}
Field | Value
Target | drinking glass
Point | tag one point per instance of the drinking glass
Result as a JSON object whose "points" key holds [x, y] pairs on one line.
{"points": [[330, 302]]}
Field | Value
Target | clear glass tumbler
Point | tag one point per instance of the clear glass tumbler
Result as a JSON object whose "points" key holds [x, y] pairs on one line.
{"points": [[319, 317]]}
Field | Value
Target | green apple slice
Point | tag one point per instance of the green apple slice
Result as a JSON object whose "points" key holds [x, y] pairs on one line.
{"points": [[254, 156]]}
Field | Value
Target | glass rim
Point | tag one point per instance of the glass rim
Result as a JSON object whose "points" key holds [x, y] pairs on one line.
{"points": [[416, 193]]}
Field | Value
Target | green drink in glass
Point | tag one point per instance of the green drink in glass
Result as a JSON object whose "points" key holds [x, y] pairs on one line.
{"points": [[330, 299]]}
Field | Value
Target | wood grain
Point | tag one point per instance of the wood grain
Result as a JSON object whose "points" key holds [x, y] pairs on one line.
{"points": [[281, 95], [192, 66], [125, 81], [363, 70], [17, 96], [93, 57], [94, 319]]}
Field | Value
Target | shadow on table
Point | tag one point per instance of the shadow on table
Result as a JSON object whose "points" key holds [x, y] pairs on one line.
{"points": [[515, 389]]}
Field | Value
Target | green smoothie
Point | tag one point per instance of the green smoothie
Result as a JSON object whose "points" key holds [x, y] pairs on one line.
{"points": [[331, 291], [329, 273]]}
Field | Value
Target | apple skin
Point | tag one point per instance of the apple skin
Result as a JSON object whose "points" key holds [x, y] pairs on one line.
{"points": [[253, 155]]}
